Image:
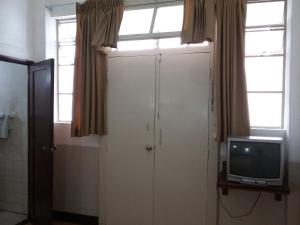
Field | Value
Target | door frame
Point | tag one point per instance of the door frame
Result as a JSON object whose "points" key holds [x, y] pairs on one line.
{"points": [[27, 63], [4, 58]]}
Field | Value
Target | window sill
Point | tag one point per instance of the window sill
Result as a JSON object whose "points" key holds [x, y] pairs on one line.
{"points": [[59, 122], [270, 132]]}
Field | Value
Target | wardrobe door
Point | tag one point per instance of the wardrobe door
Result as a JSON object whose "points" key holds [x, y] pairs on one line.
{"points": [[182, 139], [130, 141]]}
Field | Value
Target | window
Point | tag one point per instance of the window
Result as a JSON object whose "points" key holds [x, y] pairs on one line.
{"points": [[136, 21], [168, 19], [265, 48], [154, 27], [66, 30], [154, 22]]}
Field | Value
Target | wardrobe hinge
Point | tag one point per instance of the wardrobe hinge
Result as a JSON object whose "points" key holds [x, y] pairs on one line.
{"points": [[159, 57], [208, 152], [212, 94]]}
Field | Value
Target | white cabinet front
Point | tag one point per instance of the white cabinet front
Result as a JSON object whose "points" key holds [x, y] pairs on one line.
{"points": [[155, 157], [129, 166], [182, 140]]}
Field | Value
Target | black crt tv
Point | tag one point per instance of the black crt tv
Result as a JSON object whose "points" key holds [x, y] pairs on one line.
{"points": [[256, 160]]}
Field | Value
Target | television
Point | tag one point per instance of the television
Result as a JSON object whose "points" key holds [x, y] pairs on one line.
{"points": [[256, 160]]}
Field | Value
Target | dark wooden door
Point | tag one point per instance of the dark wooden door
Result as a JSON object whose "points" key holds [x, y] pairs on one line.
{"points": [[41, 85]]}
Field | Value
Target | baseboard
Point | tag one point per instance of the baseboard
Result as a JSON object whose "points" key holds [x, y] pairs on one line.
{"points": [[23, 222], [75, 218]]}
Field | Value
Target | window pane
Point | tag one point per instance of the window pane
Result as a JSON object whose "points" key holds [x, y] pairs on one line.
{"points": [[66, 79], [65, 107], [265, 109], [264, 73], [136, 45], [267, 13], [66, 55], [136, 21], [165, 43], [170, 43], [67, 31], [264, 42], [205, 43], [168, 19]]}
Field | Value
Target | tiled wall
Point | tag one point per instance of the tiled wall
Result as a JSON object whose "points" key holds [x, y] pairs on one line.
{"points": [[14, 150], [76, 180], [75, 172]]}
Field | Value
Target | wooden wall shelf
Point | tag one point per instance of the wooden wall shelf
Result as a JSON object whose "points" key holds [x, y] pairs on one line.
{"points": [[226, 185]]}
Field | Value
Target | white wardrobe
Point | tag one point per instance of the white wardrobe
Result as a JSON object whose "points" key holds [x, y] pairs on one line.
{"points": [[154, 158]]}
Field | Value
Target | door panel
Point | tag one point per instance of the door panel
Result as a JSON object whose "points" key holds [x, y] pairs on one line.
{"points": [[41, 82], [182, 140], [129, 166]]}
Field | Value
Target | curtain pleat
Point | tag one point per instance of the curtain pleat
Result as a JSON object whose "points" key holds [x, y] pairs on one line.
{"points": [[98, 24], [198, 22], [223, 22], [231, 100]]}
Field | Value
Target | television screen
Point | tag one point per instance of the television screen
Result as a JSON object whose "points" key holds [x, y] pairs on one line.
{"points": [[255, 159]]}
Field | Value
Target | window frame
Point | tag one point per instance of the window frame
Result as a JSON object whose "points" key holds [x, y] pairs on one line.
{"points": [[272, 27], [157, 36], [58, 44], [151, 35]]}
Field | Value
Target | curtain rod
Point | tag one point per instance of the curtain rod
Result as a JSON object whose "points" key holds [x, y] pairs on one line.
{"points": [[126, 5], [261, 1], [63, 4], [153, 3]]}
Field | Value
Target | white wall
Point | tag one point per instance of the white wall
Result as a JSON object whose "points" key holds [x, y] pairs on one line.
{"points": [[67, 7], [76, 159], [76, 179], [293, 67], [75, 172], [21, 29], [127, 2], [37, 29], [14, 149], [14, 28], [268, 210], [22, 35]]}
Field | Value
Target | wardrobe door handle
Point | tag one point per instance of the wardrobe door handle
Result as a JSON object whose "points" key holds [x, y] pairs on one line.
{"points": [[148, 148]]}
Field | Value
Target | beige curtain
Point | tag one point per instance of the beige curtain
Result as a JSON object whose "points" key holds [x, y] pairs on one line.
{"points": [[198, 22], [98, 24], [223, 21], [230, 79]]}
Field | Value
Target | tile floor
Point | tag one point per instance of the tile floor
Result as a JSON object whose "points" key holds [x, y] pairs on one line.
{"points": [[8, 218]]}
